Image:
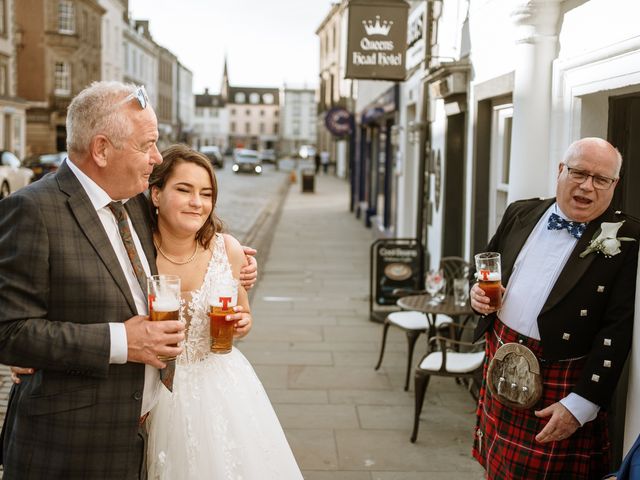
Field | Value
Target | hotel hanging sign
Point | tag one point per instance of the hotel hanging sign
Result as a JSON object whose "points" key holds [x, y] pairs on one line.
{"points": [[376, 39]]}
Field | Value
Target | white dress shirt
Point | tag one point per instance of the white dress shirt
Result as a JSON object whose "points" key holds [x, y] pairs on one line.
{"points": [[534, 274], [118, 353]]}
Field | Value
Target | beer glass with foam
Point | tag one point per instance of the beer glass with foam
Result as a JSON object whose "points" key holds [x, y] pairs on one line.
{"points": [[163, 293], [224, 296], [489, 277]]}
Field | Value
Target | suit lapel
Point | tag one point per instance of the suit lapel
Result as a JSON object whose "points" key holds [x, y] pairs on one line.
{"points": [[576, 266], [523, 226], [89, 223]]}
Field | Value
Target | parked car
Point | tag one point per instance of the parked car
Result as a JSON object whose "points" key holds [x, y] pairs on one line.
{"points": [[268, 155], [307, 151], [12, 174], [214, 154], [246, 161], [43, 164]]}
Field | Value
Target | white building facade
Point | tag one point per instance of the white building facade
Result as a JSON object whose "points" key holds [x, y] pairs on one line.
{"points": [[508, 86], [297, 119], [113, 25], [210, 121], [185, 104], [141, 58]]}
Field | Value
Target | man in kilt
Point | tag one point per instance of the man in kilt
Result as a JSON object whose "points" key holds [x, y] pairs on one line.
{"points": [[568, 275]]}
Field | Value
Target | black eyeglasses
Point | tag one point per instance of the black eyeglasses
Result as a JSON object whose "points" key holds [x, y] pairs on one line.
{"points": [[140, 94], [580, 176]]}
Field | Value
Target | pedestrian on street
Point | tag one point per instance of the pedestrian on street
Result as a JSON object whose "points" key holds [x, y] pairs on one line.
{"points": [[569, 268], [324, 159], [73, 266], [316, 159]]}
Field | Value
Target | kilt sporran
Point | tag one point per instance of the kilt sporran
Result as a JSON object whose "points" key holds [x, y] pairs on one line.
{"points": [[514, 376]]}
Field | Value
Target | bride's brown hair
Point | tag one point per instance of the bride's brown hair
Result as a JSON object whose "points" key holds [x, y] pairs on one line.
{"points": [[175, 155]]}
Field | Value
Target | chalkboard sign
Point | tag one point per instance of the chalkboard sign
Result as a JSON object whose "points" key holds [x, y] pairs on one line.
{"points": [[396, 263]]}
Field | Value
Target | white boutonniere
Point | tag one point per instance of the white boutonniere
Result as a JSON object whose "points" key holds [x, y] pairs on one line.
{"points": [[605, 240]]}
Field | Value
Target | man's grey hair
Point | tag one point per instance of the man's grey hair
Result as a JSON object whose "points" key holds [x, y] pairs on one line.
{"points": [[575, 150], [95, 111]]}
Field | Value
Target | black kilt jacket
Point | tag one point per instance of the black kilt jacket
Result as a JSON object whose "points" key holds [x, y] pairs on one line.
{"points": [[60, 284], [589, 311]]}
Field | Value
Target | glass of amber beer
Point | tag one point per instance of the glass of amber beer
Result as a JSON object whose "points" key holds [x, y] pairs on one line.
{"points": [[163, 293], [489, 277], [224, 297]]}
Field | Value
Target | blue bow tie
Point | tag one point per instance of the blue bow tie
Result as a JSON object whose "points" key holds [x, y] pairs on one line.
{"points": [[556, 222]]}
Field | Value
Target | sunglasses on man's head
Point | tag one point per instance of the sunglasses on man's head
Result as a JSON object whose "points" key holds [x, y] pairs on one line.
{"points": [[140, 94]]}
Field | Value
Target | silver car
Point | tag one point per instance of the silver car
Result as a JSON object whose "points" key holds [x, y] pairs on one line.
{"points": [[246, 161]]}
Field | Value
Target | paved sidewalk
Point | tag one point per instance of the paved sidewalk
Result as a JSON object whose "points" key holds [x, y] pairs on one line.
{"points": [[314, 350]]}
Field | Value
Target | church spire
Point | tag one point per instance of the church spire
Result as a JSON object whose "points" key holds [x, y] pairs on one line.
{"points": [[224, 88]]}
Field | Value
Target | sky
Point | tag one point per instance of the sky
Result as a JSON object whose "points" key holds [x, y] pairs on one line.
{"points": [[267, 42]]}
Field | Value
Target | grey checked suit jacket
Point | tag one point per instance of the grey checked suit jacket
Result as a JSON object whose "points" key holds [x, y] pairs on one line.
{"points": [[589, 311], [60, 284]]}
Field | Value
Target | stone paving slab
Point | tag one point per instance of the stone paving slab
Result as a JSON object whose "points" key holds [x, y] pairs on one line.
{"points": [[343, 419]]}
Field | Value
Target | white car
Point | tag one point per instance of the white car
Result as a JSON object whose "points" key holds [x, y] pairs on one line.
{"points": [[307, 151], [12, 174]]}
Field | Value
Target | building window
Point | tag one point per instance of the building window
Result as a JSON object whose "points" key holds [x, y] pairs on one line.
{"points": [[4, 75], [233, 127], [500, 160], [66, 17], [262, 113], [3, 18], [275, 128], [261, 127], [247, 128], [267, 98], [254, 98], [239, 97], [248, 112], [233, 111], [62, 79]]}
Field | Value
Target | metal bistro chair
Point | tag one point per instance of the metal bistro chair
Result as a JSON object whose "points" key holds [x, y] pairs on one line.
{"points": [[415, 323], [453, 358]]}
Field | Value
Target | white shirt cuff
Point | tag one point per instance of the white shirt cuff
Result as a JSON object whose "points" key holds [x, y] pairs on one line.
{"points": [[580, 407], [119, 350]]}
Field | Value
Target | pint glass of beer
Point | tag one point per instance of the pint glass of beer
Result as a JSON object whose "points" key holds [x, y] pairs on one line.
{"points": [[163, 293], [224, 297], [489, 275]]}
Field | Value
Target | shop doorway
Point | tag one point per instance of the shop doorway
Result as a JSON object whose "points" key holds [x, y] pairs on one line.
{"points": [[453, 219], [624, 119]]}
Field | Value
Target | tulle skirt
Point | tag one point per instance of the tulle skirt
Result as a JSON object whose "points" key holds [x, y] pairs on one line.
{"points": [[217, 424]]}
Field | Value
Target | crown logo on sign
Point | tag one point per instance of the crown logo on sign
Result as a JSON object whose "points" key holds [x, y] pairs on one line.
{"points": [[377, 28]]}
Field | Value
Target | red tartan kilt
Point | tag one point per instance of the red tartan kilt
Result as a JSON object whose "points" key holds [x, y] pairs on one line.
{"points": [[505, 442]]}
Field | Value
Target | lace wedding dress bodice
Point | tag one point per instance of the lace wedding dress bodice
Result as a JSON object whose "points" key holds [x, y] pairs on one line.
{"points": [[218, 423], [194, 309]]}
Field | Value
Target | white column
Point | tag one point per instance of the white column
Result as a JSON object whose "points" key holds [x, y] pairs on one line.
{"points": [[537, 47]]}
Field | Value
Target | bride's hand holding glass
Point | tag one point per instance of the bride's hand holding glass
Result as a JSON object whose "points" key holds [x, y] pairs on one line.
{"points": [[243, 321]]}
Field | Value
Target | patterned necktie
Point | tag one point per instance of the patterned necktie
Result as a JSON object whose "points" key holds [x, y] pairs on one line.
{"points": [[125, 232], [166, 374], [575, 229]]}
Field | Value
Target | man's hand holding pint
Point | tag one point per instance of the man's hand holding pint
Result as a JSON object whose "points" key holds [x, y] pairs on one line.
{"points": [[146, 340], [479, 301]]}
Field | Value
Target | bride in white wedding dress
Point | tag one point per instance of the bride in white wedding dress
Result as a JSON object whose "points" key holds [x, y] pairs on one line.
{"points": [[218, 423]]}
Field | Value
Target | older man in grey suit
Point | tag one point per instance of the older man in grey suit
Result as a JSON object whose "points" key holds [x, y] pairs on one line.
{"points": [[72, 299]]}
